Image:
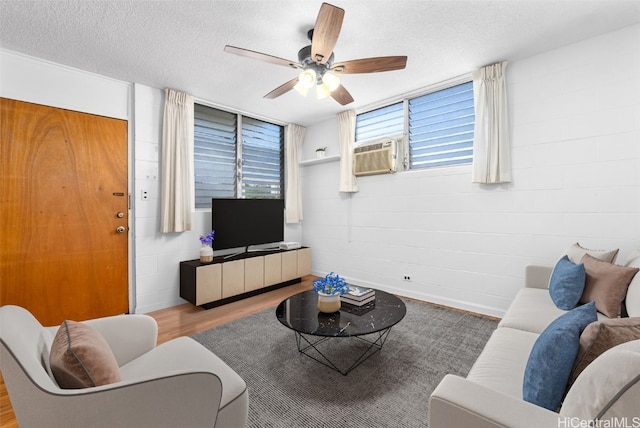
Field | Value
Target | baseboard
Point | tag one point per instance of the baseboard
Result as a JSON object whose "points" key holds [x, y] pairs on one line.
{"points": [[429, 298], [158, 306]]}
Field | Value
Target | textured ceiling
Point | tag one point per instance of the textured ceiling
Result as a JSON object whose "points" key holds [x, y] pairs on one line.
{"points": [[179, 44]]}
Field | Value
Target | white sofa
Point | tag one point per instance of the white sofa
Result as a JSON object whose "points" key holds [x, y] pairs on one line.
{"points": [[177, 384], [492, 393]]}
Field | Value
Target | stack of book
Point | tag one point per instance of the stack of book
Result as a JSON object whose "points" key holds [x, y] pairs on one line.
{"points": [[358, 296]]}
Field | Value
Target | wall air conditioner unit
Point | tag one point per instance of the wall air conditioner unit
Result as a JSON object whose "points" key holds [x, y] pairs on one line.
{"points": [[375, 158]]}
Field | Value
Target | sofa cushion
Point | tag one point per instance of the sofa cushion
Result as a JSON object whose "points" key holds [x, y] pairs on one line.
{"points": [[606, 284], [632, 301], [552, 357], [577, 251], [80, 357], [532, 310], [502, 361], [566, 283], [608, 389]]}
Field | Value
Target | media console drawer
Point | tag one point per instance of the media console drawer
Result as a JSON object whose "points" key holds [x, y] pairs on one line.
{"points": [[248, 274]]}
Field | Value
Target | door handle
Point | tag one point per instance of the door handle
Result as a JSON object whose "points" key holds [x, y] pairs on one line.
{"points": [[120, 229]]}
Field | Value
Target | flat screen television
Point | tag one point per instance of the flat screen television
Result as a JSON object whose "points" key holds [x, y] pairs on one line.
{"points": [[246, 222]]}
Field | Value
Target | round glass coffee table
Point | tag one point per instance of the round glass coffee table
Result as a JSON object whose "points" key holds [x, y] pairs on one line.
{"points": [[370, 323]]}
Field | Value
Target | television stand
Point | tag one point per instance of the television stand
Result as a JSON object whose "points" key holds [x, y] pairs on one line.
{"points": [[243, 275]]}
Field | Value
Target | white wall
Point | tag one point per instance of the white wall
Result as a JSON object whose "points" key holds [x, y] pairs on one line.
{"points": [[575, 127], [157, 255], [154, 276], [576, 164], [33, 80]]}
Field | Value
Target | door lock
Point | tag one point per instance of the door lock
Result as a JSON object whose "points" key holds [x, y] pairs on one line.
{"points": [[120, 229], [120, 215]]}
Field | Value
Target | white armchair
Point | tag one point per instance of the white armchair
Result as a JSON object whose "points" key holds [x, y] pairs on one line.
{"points": [[179, 383]]}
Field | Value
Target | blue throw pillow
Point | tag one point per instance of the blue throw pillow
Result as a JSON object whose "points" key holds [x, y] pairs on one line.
{"points": [[567, 283], [552, 357]]}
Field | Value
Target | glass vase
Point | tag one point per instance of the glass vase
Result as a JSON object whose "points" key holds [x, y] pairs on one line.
{"points": [[328, 303], [206, 254]]}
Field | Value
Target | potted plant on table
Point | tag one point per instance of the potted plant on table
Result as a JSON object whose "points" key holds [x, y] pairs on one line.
{"points": [[329, 290], [206, 251]]}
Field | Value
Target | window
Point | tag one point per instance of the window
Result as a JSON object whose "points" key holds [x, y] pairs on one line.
{"points": [[383, 122], [262, 159], [225, 169], [440, 126]]}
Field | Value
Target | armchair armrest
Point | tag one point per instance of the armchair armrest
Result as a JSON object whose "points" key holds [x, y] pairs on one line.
{"points": [[536, 276], [186, 399], [458, 402], [129, 336]]}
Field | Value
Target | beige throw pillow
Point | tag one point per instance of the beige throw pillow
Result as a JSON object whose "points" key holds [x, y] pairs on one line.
{"points": [[577, 251], [80, 357], [600, 336], [606, 284]]}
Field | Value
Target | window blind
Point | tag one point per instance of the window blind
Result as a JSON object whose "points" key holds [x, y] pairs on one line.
{"points": [[214, 154], [441, 127], [383, 122], [262, 159]]}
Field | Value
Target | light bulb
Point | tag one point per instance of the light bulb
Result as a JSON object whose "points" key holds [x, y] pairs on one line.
{"points": [[331, 81], [322, 91], [307, 78], [302, 90]]}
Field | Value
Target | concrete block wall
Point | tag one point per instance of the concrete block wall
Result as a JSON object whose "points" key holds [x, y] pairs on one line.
{"points": [[574, 120]]}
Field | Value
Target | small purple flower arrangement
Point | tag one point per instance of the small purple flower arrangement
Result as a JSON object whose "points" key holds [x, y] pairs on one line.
{"points": [[207, 240], [331, 284]]}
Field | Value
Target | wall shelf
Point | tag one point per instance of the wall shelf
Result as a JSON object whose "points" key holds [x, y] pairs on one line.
{"points": [[320, 160]]}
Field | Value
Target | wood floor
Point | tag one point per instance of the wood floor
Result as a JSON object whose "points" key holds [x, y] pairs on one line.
{"points": [[185, 320]]}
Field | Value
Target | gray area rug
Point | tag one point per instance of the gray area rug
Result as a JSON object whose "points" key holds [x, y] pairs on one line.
{"points": [[390, 389]]}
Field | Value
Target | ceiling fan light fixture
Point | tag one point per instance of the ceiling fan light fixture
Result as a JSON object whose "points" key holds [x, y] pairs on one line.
{"points": [[322, 91], [302, 90], [331, 81], [307, 78], [316, 61]]}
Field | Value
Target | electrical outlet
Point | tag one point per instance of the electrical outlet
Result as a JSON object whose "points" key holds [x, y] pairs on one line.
{"points": [[407, 278], [145, 195]]}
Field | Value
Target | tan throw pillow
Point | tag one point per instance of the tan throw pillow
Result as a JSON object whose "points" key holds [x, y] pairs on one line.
{"points": [[632, 301], [577, 251], [606, 284], [80, 357], [600, 336]]}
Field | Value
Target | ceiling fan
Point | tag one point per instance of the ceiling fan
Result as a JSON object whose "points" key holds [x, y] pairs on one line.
{"points": [[316, 61]]}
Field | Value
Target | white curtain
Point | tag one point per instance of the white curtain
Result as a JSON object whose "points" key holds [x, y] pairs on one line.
{"points": [[491, 147], [176, 192], [347, 136], [293, 138]]}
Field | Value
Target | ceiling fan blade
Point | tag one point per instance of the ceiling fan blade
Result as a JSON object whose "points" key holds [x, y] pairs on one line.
{"points": [[370, 65], [342, 96], [325, 32], [282, 89], [261, 56]]}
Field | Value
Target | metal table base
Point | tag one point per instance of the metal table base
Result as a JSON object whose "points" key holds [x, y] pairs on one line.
{"points": [[307, 345]]}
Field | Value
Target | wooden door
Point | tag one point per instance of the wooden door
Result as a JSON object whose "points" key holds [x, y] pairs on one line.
{"points": [[63, 183]]}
